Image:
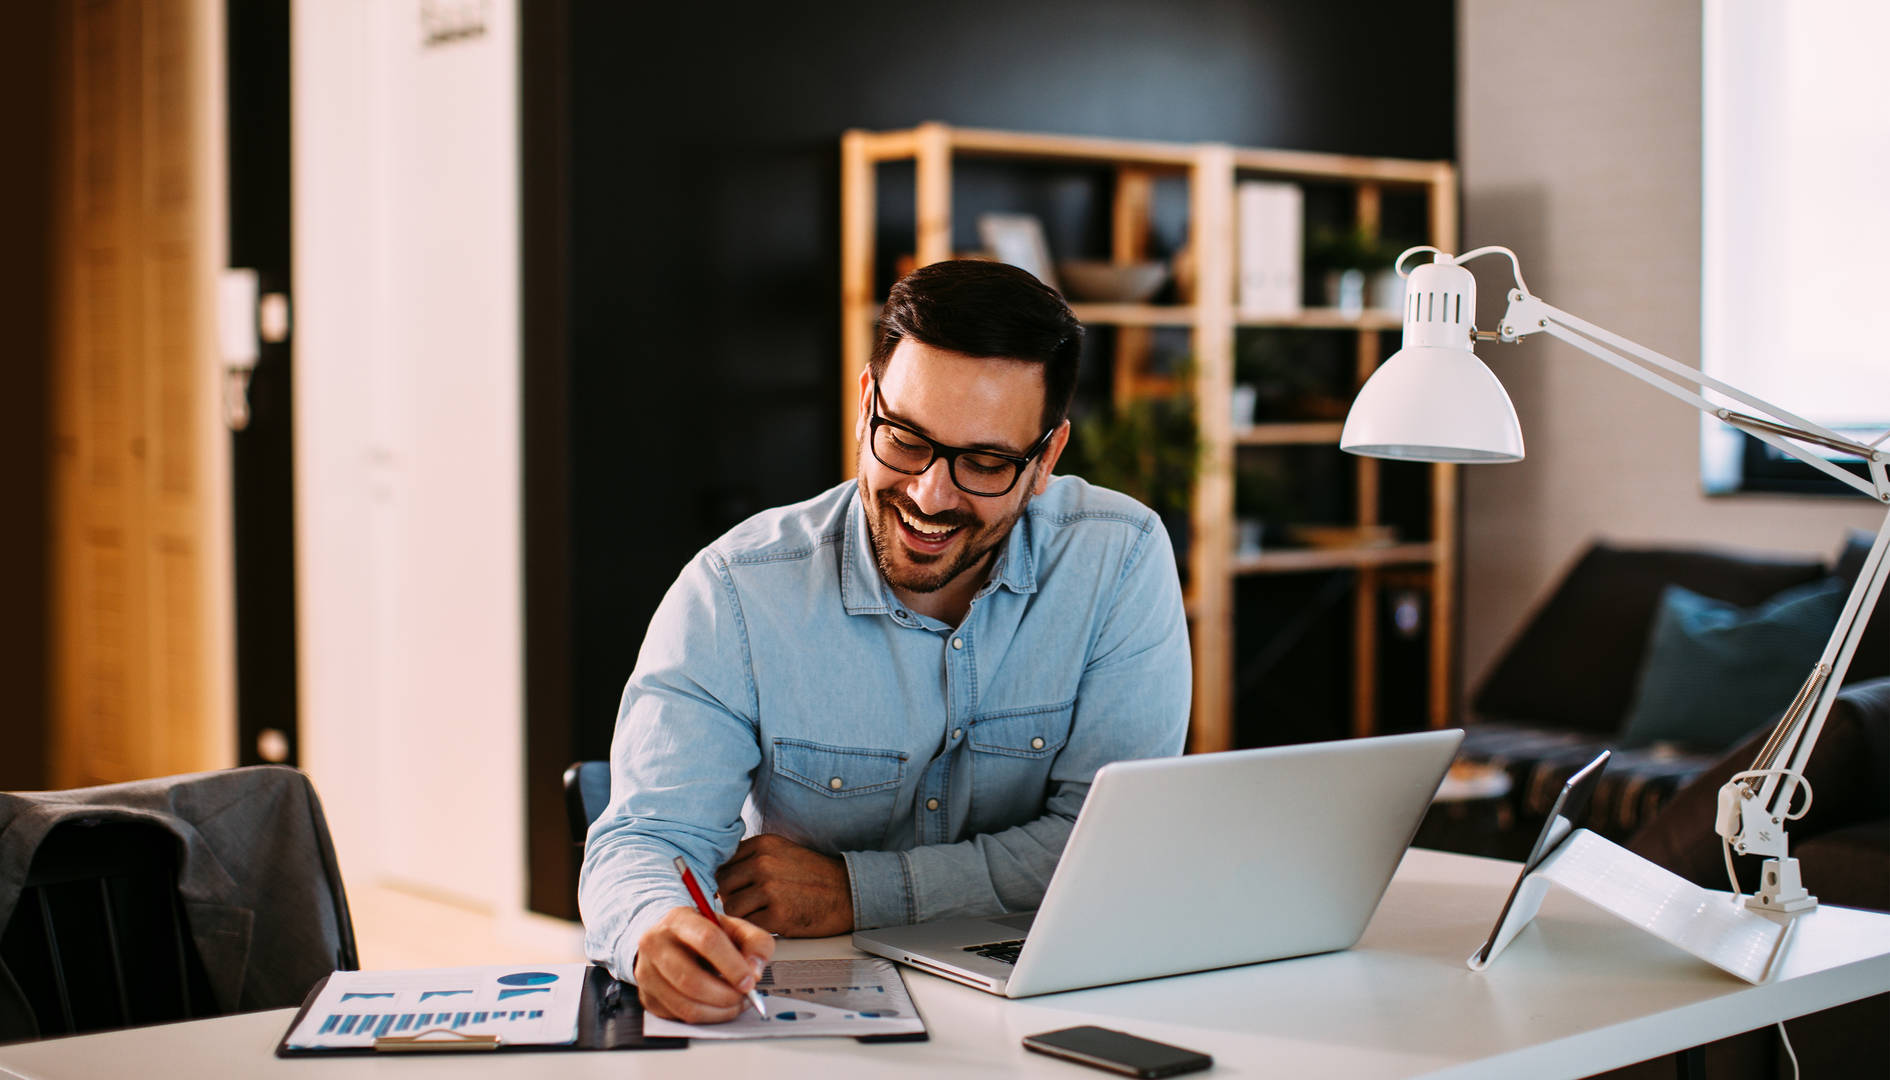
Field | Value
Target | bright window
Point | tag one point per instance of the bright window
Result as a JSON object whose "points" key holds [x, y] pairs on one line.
{"points": [[1796, 218]]}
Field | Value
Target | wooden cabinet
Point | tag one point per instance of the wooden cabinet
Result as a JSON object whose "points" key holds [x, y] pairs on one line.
{"points": [[1211, 172]]}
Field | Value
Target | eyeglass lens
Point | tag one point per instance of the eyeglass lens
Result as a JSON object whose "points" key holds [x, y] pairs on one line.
{"points": [[906, 452]]}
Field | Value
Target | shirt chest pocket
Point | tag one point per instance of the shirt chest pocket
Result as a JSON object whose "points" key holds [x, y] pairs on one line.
{"points": [[1011, 754], [832, 798]]}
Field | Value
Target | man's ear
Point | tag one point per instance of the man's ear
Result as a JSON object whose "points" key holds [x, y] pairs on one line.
{"points": [[1047, 461], [863, 405]]}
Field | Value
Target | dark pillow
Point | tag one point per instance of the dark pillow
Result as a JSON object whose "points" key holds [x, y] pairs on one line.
{"points": [[1846, 771], [1574, 664], [1714, 672], [1872, 658]]}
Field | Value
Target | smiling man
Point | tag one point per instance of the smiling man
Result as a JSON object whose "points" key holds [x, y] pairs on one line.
{"points": [[886, 704]]}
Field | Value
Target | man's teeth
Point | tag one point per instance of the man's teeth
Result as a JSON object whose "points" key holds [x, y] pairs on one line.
{"points": [[922, 528]]}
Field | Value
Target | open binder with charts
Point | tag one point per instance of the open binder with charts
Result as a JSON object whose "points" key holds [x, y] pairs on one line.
{"points": [[580, 1007]]}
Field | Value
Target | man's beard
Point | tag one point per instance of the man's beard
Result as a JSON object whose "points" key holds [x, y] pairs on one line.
{"points": [[924, 572]]}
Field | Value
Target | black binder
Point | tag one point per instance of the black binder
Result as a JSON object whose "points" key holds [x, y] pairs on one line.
{"points": [[610, 1017]]}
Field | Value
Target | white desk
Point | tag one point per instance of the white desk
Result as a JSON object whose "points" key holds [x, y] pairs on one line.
{"points": [[1579, 992]]}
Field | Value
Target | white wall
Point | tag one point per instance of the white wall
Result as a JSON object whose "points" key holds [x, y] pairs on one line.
{"points": [[408, 445], [1579, 136]]}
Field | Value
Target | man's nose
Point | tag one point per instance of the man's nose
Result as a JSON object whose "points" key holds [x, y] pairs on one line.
{"points": [[932, 490]]}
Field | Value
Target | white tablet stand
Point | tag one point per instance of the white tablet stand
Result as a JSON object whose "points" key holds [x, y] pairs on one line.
{"points": [[1711, 925]]}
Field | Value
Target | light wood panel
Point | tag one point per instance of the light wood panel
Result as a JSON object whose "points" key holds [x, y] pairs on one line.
{"points": [[1128, 237], [141, 662], [859, 194], [1445, 506], [1290, 433], [1211, 235], [1301, 560]]}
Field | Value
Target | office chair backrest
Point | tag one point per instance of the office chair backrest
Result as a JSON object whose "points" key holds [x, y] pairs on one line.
{"points": [[586, 793], [98, 939]]}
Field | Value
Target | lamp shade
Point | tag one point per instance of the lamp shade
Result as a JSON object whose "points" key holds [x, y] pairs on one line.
{"points": [[1434, 400], [1433, 404]]}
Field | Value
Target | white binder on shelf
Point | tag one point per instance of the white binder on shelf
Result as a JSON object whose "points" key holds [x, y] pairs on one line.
{"points": [[1271, 245]]}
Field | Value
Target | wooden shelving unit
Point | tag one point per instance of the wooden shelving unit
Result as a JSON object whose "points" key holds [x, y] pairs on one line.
{"points": [[1211, 171]]}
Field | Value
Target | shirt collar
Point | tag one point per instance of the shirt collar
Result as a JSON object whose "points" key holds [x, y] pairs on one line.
{"points": [[863, 590]]}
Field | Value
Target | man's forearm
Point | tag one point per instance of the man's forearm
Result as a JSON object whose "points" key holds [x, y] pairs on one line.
{"points": [[987, 874], [624, 888]]}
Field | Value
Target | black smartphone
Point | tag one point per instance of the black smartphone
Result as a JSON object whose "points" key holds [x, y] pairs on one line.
{"points": [[1117, 1051]]}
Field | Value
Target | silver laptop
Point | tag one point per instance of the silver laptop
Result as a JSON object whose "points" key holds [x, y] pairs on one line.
{"points": [[1189, 863]]}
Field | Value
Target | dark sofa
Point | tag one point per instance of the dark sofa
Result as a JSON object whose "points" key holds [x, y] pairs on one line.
{"points": [[1562, 688]]}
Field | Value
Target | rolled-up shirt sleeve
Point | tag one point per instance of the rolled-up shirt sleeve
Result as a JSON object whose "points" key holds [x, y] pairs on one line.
{"points": [[1132, 702], [682, 760]]}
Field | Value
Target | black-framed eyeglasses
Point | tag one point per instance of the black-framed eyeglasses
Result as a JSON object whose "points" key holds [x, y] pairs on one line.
{"points": [[976, 472]]}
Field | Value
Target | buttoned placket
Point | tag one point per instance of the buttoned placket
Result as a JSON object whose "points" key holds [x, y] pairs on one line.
{"points": [[933, 814]]}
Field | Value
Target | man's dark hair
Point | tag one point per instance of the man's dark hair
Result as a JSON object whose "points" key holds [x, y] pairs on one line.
{"points": [[986, 309]]}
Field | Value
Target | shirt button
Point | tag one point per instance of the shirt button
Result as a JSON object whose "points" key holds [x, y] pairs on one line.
{"points": [[958, 643], [958, 733], [1035, 744], [931, 804], [836, 783]]}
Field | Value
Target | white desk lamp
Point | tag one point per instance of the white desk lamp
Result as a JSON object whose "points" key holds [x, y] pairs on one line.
{"points": [[1435, 401]]}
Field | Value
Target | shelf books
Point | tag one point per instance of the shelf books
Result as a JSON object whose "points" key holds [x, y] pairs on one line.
{"points": [[1271, 228]]}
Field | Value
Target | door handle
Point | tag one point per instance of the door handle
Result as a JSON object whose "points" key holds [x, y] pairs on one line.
{"points": [[245, 321]]}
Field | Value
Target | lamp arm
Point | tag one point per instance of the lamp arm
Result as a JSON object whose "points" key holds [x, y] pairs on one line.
{"points": [[1530, 315], [1770, 791], [1756, 804]]}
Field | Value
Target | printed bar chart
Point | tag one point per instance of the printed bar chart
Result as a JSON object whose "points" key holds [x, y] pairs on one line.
{"points": [[355, 1009]]}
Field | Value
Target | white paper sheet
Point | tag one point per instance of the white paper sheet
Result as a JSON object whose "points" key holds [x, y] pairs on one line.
{"points": [[521, 1005], [855, 997]]}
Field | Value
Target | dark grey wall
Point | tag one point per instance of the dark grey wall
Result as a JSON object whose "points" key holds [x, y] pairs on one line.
{"points": [[698, 179]]}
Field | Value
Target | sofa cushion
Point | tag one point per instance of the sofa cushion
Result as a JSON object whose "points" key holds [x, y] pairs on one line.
{"points": [[1872, 659], [1574, 665], [1714, 671], [1846, 771], [1849, 866]]}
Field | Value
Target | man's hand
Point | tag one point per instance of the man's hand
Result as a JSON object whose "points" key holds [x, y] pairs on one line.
{"points": [[686, 969], [784, 887]]}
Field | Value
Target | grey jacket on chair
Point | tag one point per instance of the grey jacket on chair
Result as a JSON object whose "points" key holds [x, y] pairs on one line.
{"points": [[256, 876]]}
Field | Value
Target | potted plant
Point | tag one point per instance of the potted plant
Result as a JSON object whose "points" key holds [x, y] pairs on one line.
{"points": [[1345, 260], [1148, 448]]}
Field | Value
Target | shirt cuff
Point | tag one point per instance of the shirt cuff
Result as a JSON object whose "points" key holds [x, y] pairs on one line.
{"points": [[881, 883], [624, 949]]}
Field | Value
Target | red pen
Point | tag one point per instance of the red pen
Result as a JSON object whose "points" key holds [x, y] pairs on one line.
{"points": [[702, 905]]}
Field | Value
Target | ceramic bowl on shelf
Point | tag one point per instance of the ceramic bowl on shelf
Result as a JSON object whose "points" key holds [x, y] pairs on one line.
{"points": [[1101, 281]]}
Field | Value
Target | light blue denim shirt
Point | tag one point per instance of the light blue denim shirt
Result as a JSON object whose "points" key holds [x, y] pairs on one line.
{"points": [[784, 688]]}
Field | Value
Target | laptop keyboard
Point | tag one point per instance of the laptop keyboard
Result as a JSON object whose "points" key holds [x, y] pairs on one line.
{"points": [[1004, 952]]}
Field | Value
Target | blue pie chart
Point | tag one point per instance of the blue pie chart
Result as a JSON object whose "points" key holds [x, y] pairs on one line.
{"points": [[528, 978]]}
